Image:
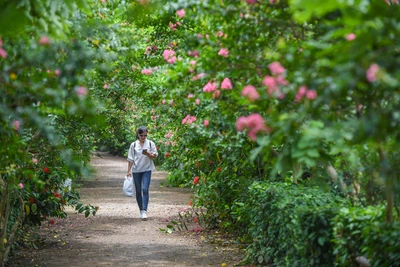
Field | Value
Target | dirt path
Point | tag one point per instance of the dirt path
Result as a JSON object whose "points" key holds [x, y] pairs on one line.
{"points": [[116, 236]]}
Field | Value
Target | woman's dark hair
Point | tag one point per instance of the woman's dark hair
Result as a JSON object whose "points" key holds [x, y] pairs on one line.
{"points": [[142, 129]]}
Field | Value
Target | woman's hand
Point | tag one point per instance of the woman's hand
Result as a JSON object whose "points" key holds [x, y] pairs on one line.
{"points": [[150, 155]]}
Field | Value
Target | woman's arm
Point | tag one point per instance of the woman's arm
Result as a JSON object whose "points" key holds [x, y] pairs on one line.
{"points": [[130, 163], [153, 151]]}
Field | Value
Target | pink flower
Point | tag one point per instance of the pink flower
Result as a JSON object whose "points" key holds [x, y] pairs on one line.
{"points": [[269, 82], [206, 123], [220, 34], [305, 92], [21, 185], [210, 87], [216, 94], [147, 71], [371, 72], [254, 123], [16, 125], [3, 53], [276, 68], [57, 72], [169, 56], [105, 86], [181, 13], [134, 67], [241, 123], [250, 92], [273, 1], [190, 96], [35, 160], [251, 2], [223, 52], [172, 26], [44, 40], [189, 119], [311, 94], [148, 50], [300, 93], [163, 101], [197, 101], [194, 53], [104, 2], [81, 91], [198, 76], [280, 80], [168, 135], [193, 62], [226, 84], [350, 37]]}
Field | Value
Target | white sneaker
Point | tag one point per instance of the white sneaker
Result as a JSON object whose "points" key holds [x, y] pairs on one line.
{"points": [[143, 215]]}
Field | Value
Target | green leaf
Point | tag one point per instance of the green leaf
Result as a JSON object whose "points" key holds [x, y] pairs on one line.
{"points": [[34, 208]]}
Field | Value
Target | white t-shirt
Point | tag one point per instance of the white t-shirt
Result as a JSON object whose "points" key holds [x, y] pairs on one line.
{"points": [[142, 162]]}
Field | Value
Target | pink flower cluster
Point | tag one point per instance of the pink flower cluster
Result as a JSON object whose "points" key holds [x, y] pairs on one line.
{"points": [[350, 37], [220, 34], [173, 26], [273, 82], [210, 87], [198, 76], [81, 91], [226, 84], [44, 40], [16, 125], [254, 123], [305, 92], [250, 92], [181, 13], [371, 72], [148, 50], [3, 52], [147, 71], [189, 119], [168, 135], [223, 52], [193, 53], [169, 56]]}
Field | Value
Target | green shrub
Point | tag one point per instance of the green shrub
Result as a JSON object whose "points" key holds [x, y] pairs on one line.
{"points": [[382, 244], [275, 229], [316, 226], [349, 225]]}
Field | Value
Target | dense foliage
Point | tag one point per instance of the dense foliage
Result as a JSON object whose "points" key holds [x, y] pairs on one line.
{"points": [[282, 115]]}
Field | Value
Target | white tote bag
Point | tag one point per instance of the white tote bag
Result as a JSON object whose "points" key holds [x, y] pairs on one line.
{"points": [[127, 189]]}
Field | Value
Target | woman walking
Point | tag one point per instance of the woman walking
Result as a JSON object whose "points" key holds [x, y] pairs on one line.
{"points": [[141, 154]]}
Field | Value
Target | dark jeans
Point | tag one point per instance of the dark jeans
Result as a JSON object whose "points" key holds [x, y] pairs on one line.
{"points": [[142, 184]]}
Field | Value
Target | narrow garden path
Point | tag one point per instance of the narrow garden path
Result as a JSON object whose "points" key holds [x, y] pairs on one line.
{"points": [[116, 236]]}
